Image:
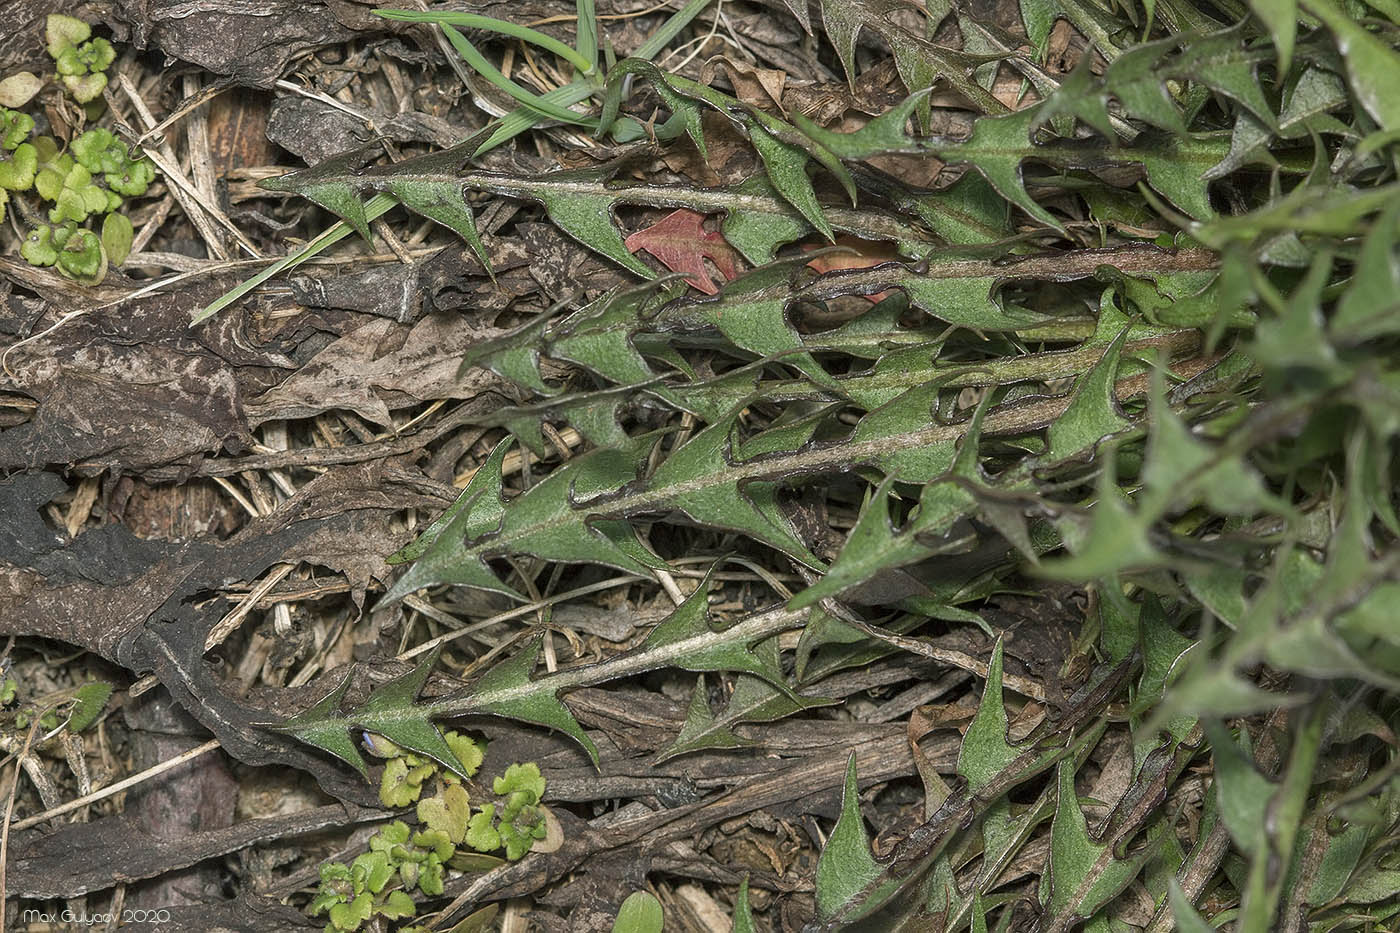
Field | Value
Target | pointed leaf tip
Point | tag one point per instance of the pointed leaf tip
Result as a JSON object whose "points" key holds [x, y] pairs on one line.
{"points": [[694, 645], [510, 690], [743, 916], [985, 751], [1083, 874], [1093, 411], [323, 726], [846, 866], [392, 711]]}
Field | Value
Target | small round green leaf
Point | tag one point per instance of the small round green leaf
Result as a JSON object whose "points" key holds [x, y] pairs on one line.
{"points": [[117, 234], [64, 33], [640, 913]]}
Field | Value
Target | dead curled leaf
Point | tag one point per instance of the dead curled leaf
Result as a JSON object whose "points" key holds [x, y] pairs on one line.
{"points": [[159, 599], [760, 87], [130, 388], [859, 254], [380, 366], [252, 45], [18, 89]]}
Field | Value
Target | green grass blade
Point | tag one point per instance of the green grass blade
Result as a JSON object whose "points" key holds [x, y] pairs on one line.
{"points": [[587, 36], [375, 207], [489, 71], [476, 21], [670, 29], [524, 118]]}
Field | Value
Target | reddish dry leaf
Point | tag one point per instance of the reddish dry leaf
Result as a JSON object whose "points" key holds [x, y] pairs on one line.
{"points": [[865, 253], [682, 243], [756, 86]]}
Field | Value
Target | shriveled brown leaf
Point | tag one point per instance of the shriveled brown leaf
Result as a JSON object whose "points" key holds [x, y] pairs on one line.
{"points": [[380, 366]]}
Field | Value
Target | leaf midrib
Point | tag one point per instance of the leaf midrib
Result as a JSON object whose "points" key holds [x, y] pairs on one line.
{"points": [[748, 630], [1019, 417]]}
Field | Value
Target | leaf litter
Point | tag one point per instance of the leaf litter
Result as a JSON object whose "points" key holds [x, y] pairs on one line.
{"points": [[1058, 497]]}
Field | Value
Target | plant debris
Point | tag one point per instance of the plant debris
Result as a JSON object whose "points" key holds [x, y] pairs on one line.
{"points": [[579, 466]]}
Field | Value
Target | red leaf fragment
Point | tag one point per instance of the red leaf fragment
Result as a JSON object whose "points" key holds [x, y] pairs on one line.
{"points": [[682, 244]]}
